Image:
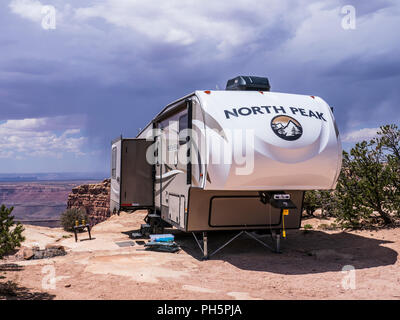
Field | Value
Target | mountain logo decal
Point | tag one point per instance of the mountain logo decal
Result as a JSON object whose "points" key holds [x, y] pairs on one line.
{"points": [[287, 128]]}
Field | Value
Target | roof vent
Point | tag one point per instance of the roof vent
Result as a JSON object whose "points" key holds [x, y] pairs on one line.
{"points": [[248, 83]]}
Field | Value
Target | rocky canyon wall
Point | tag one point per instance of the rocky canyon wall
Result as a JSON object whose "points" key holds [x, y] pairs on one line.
{"points": [[94, 198]]}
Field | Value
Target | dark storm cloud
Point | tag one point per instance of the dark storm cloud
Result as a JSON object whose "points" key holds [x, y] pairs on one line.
{"points": [[373, 68], [30, 66]]}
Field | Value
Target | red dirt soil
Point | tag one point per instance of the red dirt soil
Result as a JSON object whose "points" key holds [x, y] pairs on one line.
{"points": [[310, 266]]}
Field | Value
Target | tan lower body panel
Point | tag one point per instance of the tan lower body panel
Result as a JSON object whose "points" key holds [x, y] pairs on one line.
{"points": [[238, 210]]}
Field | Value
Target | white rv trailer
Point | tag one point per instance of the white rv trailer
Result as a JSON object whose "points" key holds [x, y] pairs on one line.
{"points": [[238, 159]]}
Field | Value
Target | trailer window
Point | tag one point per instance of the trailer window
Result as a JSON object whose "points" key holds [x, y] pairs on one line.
{"points": [[114, 163], [183, 124]]}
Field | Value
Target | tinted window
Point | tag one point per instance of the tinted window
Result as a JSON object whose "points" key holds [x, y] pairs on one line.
{"points": [[114, 163], [183, 122]]}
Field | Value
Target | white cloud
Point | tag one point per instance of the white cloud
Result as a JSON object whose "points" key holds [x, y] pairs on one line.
{"points": [[320, 37], [180, 22], [360, 135], [184, 23], [29, 9], [317, 32], [25, 124], [59, 123], [36, 11], [32, 137]]}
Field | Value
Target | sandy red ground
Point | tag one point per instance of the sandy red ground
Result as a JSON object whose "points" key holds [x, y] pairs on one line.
{"points": [[310, 266]]}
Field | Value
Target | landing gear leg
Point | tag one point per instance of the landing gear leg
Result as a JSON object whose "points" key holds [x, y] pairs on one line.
{"points": [[276, 235], [205, 246]]}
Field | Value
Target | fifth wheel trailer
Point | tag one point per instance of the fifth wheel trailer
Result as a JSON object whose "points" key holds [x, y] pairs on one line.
{"points": [[238, 159]]}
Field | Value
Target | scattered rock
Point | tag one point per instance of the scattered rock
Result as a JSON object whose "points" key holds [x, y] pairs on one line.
{"points": [[39, 254], [55, 246], [35, 253], [27, 253], [49, 253]]}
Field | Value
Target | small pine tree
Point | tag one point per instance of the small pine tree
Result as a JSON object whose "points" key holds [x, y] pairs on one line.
{"points": [[10, 232], [311, 202], [369, 181], [389, 141]]}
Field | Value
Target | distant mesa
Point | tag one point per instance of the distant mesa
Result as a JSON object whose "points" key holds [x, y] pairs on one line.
{"points": [[52, 176]]}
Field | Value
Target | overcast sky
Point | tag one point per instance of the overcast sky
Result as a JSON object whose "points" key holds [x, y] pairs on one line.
{"points": [[109, 66]]}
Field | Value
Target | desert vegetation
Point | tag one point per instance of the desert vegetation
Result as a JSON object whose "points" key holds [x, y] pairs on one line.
{"points": [[10, 231], [368, 190], [70, 216]]}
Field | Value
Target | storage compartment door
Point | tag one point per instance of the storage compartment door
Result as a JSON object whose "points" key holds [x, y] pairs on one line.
{"points": [[174, 207]]}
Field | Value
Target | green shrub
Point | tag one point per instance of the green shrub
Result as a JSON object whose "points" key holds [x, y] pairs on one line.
{"points": [[307, 228], [318, 199], [69, 216], [311, 202], [10, 232], [368, 186], [325, 226]]}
